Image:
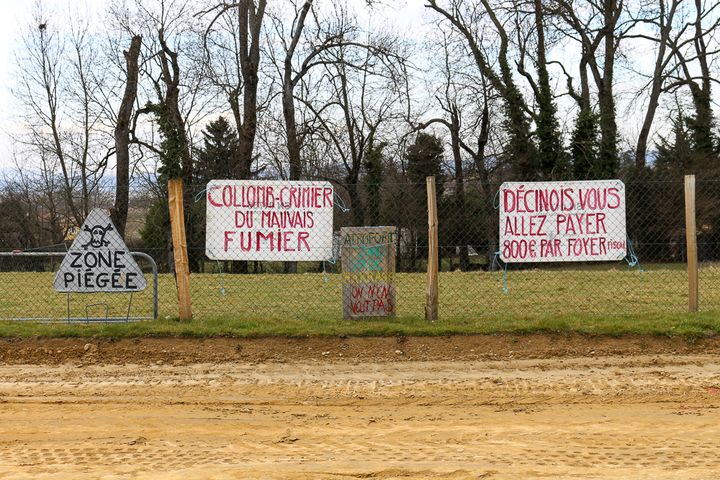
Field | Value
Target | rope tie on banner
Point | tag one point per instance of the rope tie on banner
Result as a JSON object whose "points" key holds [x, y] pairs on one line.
{"points": [[632, 259], [325, 275], [199, 195], [339, 202], [222, 278], [505, 289]]}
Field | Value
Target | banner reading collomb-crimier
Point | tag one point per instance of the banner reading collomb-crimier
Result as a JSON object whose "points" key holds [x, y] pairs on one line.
{"points": [[269, 220], [562, 221]]}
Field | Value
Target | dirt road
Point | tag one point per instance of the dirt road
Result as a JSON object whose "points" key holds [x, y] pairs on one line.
{"points": [[340, 409]]}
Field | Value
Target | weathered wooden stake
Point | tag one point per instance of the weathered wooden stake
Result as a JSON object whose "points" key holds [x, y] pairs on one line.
{"points": [[691, 240], [177, 225], [431, 304]]}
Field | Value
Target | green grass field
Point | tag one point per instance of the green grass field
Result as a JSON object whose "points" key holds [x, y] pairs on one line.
{"points": [[604, 301]]}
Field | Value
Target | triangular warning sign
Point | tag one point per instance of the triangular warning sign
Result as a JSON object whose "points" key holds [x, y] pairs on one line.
{"points": [[99, 260]]}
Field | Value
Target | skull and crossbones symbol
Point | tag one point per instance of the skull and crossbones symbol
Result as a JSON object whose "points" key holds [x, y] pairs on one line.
{"points": [[97, 236]]}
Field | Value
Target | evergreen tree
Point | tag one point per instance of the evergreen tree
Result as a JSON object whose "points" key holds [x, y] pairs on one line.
{"points": [[373, 181], [552, 158], [584, 147], [676, 156], [520, 148], [700, 126], [424, 159], [216, 160]]}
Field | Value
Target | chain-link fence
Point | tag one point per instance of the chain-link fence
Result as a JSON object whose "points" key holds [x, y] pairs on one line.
{"points": [[37, 286], [316, 250], [474, 281]]}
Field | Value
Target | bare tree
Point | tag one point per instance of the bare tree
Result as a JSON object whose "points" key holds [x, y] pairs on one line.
{"points": [[233, 64], [466, 100], [466, 18], [691, 53], [122, 135], [60, 77], [302, 50], [599, 29], [363, 89]]}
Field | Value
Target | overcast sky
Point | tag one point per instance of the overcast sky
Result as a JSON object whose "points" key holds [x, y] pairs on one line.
{"points": [[11, 14], [16, 15], [408, 16]]}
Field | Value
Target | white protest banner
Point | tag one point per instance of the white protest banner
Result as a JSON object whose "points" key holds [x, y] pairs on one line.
{"points": [[99, 260], [562, 221], [269, 220]]}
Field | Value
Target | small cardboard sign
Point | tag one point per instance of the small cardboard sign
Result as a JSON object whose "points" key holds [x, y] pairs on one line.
{"points": [[562, 221], [99, 260], [368, 267]]}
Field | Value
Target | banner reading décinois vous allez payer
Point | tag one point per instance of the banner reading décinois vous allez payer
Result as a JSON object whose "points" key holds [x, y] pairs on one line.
{"points": [[562, 221]]}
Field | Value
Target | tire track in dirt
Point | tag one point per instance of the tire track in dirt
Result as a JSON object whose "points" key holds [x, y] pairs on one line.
{"points": [[644, 416]]}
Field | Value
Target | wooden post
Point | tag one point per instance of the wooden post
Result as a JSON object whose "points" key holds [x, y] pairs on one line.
{"points": [[431, 304], [691, 240], [177, 225]]}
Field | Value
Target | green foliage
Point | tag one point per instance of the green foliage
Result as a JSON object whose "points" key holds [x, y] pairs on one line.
{"points": [[700, 127], [584, 146], [608, 159], [217, 158], [520, 149], [373, 164], [424, 159], [171, 146], [157, 239], [155, 233], [675, 157], [552, 158], [690, 149]]}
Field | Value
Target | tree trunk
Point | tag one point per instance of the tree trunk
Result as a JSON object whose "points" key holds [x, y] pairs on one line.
{"points": [[657, 82], [122, 137], [608, 126], [293, 144], [459, 215], [250, 22]]}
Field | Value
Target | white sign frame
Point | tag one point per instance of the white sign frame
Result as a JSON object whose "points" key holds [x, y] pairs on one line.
{"points": [[99, 261], [562, 221], [269, 220]]}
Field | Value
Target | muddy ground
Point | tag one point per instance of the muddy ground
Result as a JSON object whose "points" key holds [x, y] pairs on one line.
{"points": [[539, 406]]}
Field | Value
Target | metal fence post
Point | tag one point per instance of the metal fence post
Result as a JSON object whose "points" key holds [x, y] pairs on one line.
{"points": [[154, 267], [431, 303], [691, 240]]}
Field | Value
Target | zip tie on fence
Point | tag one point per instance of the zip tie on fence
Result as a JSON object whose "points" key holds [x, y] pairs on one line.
{"points": [[506, 290], [325, 277], [201, 193], [632, 259], [496, 200], [339, 202], [222, 278]]}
